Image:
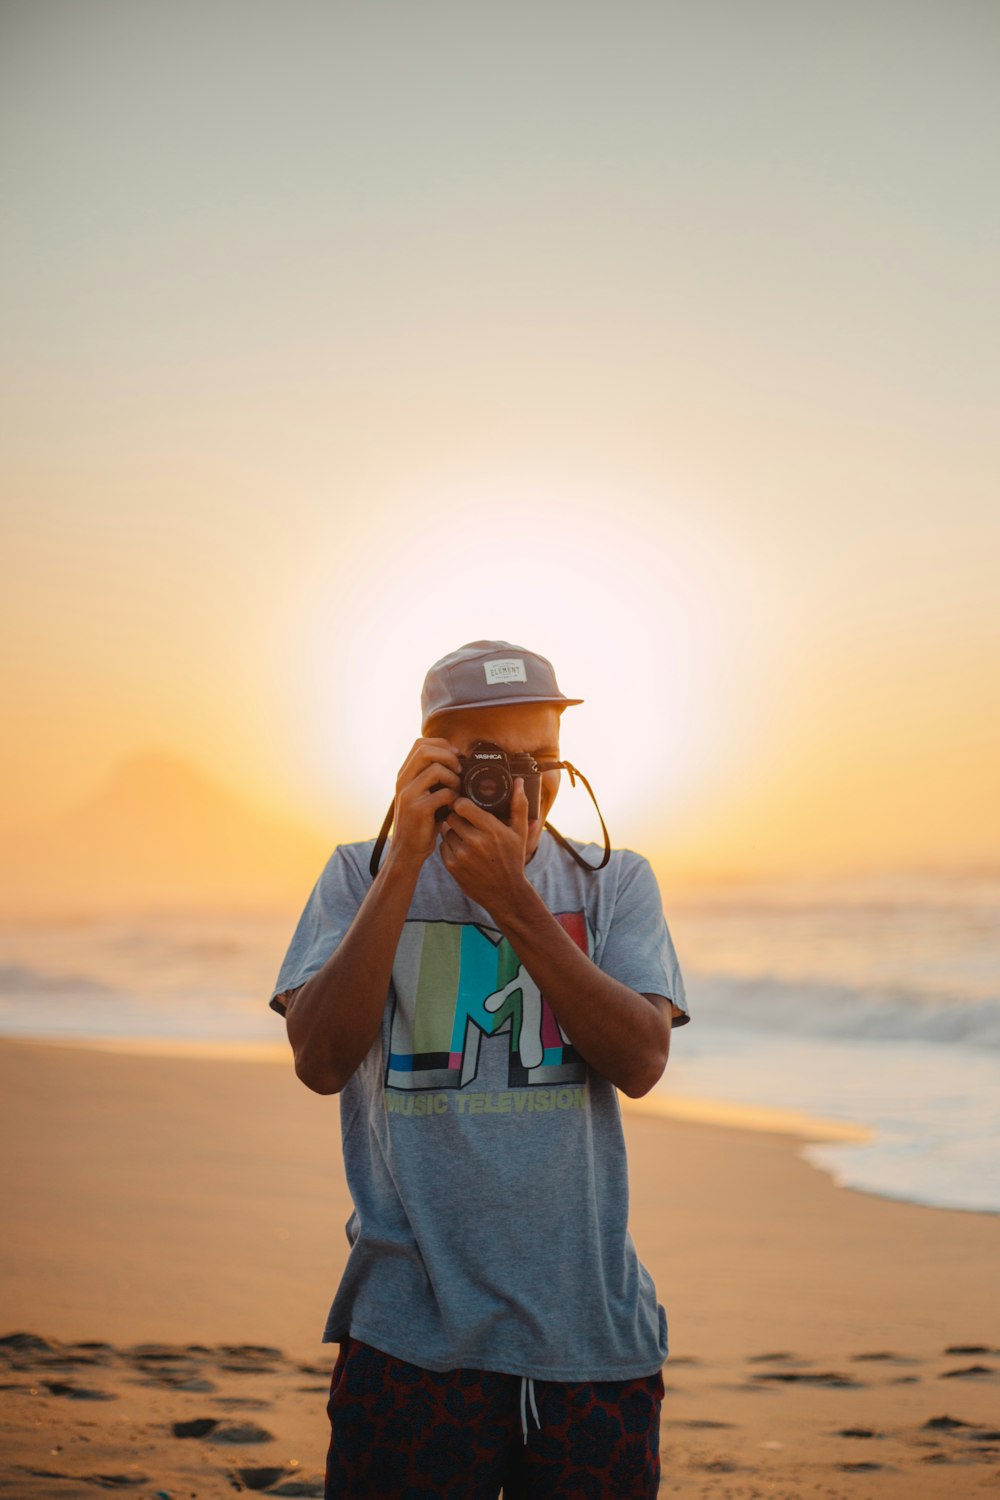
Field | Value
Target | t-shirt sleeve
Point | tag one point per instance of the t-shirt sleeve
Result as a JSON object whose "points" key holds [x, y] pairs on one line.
{"points": [[328, 914], [638, 949]]}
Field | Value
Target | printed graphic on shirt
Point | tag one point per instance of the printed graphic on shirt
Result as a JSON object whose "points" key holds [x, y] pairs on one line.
{"points": [[456, 984], [534, 1101]]}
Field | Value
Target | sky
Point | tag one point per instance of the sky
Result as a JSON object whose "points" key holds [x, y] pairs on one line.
{"points": [[660, 338]]}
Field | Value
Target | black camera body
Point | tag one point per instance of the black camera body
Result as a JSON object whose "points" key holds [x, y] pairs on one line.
{"points": [[488, 775]]}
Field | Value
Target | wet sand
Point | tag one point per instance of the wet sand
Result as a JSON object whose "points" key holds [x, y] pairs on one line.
{"points": [[174, 1234]]}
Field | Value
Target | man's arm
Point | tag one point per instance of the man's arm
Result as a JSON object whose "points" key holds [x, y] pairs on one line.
{"points": [[621, 1033], [335, 1015]]}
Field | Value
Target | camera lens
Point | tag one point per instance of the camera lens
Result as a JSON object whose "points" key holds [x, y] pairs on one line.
{"points": [[488, 786]]}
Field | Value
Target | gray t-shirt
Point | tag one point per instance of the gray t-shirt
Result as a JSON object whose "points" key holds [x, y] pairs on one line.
{"points": [[485, 1158]]}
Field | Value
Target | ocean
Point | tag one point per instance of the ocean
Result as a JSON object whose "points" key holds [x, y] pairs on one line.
{"points": [[873, 1003]]}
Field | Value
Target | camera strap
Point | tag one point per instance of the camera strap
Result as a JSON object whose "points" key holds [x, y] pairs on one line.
{"points": [[573, 773], [383, 834], [562, 765]]}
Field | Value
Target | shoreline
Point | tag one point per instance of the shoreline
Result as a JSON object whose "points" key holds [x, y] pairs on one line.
{"points": [[704, 1111], [819, 1140], [797, 1123]]}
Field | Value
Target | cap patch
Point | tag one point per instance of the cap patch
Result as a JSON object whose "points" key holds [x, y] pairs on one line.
{"points": [[508, 669]]}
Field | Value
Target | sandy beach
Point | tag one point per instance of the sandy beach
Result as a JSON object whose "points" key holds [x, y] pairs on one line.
{"points": [[175, 1233]]}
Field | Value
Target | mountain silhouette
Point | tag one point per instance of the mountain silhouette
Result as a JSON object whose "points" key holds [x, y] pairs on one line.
{"points": [[159, 833]]}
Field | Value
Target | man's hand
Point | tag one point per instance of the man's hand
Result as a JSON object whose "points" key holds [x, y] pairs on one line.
{"points": [[337, 1013], [623, 1034], [430, 763], [486, 856]]}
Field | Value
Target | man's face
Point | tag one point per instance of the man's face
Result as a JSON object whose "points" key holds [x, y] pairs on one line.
{"points": [[515, 727]]}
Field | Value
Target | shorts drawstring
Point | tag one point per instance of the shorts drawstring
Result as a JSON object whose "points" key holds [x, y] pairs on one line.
{"points": [[528, 1394]]}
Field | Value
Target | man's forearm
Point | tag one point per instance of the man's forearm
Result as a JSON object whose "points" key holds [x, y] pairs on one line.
{"points": [[620, 1033], [334, 1017]]}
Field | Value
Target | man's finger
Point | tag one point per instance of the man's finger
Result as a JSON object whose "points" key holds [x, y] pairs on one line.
{"points": [[423, 751], [432, 773], [519, 808], [472, 813]]}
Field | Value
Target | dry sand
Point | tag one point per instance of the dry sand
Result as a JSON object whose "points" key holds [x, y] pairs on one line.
{"points": [[175, 1234]]}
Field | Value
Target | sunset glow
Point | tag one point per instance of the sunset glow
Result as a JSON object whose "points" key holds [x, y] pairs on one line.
{"points": [[698, 405]]}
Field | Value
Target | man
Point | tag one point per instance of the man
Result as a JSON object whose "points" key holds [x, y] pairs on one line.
{"points": [[476, 1004]]}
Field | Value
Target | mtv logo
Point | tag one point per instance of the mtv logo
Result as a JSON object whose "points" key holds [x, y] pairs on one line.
{"points": [[458, 983]]}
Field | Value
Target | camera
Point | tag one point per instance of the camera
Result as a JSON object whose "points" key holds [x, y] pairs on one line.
{"points": [[488, 774]]}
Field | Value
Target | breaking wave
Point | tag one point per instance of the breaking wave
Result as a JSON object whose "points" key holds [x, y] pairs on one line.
{"points": [[812, 1008]]}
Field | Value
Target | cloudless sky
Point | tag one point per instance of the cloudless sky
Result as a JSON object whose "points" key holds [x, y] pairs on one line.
{"points": [[662, 338]]}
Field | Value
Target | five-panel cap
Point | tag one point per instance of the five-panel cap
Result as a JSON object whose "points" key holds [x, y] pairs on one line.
{"points": [[484, 674]]}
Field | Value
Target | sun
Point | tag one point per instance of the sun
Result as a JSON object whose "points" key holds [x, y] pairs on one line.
{"points": [[635, 619]]}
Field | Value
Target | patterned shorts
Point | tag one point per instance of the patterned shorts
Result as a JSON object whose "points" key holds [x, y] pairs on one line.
{"points": [[399, 1432]]}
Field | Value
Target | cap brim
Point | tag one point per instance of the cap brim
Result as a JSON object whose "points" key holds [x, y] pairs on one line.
{"points": [[458, 708]]}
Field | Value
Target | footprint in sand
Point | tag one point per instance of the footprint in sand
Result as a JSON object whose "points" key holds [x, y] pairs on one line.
{"points": [[698, 1422], [194, 1427], [811, 1377], [221, 1432], [887, 1356], [26, 1343], [260, 1479], [116, 1481], [250, 1359], [77, 1392], [980, 1444], [103, 1481], [240, 1432], [279, 1482], [167, 1365]]}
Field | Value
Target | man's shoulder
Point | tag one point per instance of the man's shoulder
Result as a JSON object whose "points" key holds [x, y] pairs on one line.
{"points": [[359, 849], [349, 860], [619, 860], [576, 872]]}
